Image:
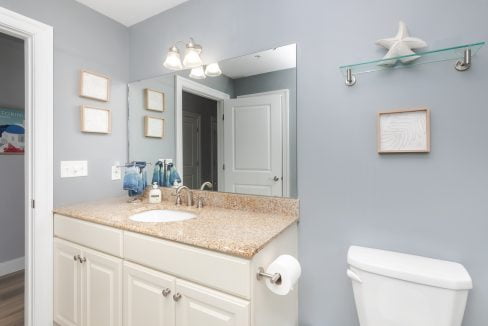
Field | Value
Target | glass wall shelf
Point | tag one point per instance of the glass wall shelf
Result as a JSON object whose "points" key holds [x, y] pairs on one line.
{"points": [[462, 53]]}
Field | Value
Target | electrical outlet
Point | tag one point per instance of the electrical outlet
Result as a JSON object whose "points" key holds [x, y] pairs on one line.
{"points": [[116, 172], [74, 169]]}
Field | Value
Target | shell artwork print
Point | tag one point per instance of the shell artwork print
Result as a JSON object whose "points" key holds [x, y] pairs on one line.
{"points": [[12, 131]]}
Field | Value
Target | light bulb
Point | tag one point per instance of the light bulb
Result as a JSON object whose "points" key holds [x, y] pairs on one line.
{"points": [[197, 73], [173, 60], [213, 70], [192, 57]]}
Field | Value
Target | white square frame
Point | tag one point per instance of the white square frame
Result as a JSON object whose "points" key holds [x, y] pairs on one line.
{"points": [[148, 129], [88, 88], [149, 100], [87, 128], [426, 129]]}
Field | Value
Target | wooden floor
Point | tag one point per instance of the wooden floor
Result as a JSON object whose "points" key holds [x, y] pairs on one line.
{"points": [[12, 299]]}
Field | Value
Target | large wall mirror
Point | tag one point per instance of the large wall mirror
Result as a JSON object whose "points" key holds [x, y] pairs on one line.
{"points": [[234, 128]]}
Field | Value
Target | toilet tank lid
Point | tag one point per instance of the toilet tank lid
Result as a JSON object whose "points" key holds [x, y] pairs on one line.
{"points": [[428, 271]]}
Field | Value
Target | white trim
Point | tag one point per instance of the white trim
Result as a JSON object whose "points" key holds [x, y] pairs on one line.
{"points": [[38, 39], [183, 84], [12, 266], [285, 93]]}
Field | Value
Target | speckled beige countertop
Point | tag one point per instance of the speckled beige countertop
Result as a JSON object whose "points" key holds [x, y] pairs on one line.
{"points": [[241, 233]]}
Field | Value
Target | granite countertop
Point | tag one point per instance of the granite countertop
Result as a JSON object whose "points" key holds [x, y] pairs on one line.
{"points": [[240, 233]]}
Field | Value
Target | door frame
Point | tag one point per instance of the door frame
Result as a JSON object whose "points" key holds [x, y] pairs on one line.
{"points": [[198, 118], [183, 84], [38, 156], [285, 114]]}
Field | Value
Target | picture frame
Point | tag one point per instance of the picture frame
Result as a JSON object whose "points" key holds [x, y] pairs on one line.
{"points": [[94, 86], [153, 127], [404, 131], [12, 131], [95, 120], [154, 100]]}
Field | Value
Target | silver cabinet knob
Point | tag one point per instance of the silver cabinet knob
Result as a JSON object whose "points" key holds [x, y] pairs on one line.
{"points": [[276, 179], [166, 292], [177, 296], [75, 257], [82, 259]]}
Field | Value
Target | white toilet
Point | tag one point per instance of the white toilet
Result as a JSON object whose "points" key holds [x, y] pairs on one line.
{"points": [[394, 289]]}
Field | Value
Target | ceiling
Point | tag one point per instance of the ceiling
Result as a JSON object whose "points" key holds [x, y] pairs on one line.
{"points": [[130, 12], [259, 63]]}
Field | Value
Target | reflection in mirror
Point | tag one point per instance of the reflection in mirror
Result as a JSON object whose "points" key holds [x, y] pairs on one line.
{"points": [[229, 132]]}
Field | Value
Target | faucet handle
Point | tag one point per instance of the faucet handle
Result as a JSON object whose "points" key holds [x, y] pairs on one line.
{"points": [[178, 200], [200, 202]]}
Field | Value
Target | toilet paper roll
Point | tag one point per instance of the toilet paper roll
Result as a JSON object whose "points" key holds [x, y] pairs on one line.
{"points": [[290, 271]]}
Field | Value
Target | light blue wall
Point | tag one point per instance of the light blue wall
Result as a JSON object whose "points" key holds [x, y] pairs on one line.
{"points": [[435, 204], [84, 39], [272, 81], [11, 166]]}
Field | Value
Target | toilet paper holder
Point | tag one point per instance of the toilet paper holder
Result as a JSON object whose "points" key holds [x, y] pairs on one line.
{"points": [[274, 278]]}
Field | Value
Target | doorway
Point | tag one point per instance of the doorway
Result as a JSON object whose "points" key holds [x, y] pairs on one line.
{"points": [[12, 144], [37, 198], [199, 141]]}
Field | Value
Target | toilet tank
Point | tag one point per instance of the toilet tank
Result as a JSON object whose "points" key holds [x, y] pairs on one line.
{"points": [[395, 289]]}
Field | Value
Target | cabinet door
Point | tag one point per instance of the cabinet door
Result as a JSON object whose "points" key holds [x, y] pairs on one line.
{"points": [[102, 289], [67, 283], [148, 297], [201, 306]]}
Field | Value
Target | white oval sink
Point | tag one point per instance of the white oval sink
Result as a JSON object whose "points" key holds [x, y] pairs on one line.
{"points": [[159, 216]]}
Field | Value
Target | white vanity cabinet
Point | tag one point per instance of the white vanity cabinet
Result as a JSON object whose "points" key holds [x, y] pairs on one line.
{"points": [[133, 279], [87, 287]]}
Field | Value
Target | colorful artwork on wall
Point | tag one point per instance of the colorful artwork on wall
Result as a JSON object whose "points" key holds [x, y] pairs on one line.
{"points": [[12, 132]]}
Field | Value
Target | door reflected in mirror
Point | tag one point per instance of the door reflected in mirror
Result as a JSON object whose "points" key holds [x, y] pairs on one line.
{"points": [[235, 132]]}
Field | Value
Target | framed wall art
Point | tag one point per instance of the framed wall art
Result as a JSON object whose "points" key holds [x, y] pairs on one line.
{"points": [[12, 132], [153, 100], [96, 120], [404, 131], [94, 86], [153, 127]]}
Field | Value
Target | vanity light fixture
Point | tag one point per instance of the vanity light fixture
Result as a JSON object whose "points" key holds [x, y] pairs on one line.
{"points": [[191, 60], [213, 70], [198, 73], [173, 60]]}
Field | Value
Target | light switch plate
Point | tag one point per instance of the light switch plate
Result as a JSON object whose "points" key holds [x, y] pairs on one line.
{"points": [[73, 169], [116, 172]]}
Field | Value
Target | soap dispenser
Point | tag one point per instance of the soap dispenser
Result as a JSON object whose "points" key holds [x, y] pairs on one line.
{"points": [[155, 195]]}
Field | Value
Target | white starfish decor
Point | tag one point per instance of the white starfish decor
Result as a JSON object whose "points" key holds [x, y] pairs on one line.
{"points": [[401, 45]]}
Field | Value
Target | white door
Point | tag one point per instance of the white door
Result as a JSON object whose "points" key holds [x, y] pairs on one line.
{"points": [[253, 145], [148, 298], [200, 306], [67, 283], [102, 285], [191, 150]]}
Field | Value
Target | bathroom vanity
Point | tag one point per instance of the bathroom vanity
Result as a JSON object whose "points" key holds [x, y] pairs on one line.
{"points": [[110, 270]]}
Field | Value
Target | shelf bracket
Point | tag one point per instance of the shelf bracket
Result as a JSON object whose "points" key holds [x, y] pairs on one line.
{"points": [[465, 64], [350, 78]]}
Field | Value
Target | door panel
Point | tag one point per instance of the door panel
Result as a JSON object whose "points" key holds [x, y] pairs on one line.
{"points": [[67, 284], [200, 306], [191, 150], [102, 281], [144, 302], [253, 145]]}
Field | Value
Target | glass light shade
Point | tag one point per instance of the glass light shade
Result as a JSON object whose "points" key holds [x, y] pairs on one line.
{"points": [[192, 58], [197, 73], [213, 70], [173, 60]]}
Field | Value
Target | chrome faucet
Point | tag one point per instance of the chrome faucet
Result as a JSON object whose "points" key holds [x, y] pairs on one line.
{"points": [[206, 184], [189, 196]]}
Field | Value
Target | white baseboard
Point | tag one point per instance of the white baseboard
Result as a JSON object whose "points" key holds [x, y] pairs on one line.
{"points": [[12, 266]]}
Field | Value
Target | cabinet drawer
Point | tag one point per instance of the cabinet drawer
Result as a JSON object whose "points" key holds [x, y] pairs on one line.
{"points": [[91, 235], [222, 272]]}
